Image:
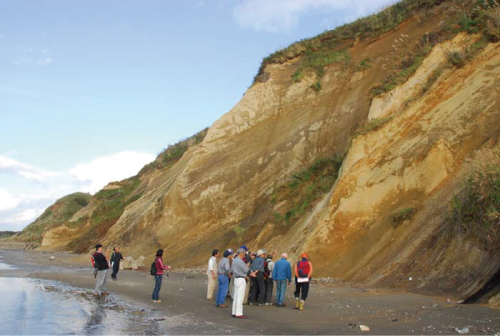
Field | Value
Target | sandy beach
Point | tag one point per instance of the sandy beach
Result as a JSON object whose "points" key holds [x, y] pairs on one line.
{"points": [[330, 308]]}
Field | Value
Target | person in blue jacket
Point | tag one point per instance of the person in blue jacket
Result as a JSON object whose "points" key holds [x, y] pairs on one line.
{"points": [[282, 273]]}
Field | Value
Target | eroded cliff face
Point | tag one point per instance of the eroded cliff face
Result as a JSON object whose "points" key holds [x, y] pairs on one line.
{"points": [[415, 161], [217, 194], [432, 133]]}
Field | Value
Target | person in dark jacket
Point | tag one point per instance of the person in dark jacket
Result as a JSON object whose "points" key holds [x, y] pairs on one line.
{"points": [[115, 259], [159, 275], [101, 266], [258, 282]]}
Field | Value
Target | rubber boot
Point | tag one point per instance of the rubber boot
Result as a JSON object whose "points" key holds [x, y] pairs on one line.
{"points": [[302, 303], [297, 303]]}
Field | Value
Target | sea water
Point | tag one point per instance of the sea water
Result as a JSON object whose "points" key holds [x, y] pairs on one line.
{"points": [[42, 307]]}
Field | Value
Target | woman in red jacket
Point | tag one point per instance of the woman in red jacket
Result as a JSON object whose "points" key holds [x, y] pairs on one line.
{"points": [[159, 275]]}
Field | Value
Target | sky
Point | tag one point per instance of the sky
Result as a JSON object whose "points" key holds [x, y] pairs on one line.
{"points": [[91, 91]]}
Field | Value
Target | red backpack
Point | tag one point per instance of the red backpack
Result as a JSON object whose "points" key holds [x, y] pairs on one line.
{"points": [[303, 269]]}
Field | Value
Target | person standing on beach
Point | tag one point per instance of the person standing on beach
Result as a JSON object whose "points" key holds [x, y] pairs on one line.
{"points": [[115, 259], [240, 271], [258, 282], [101, 265], [303, 272], [159, 275], [212, 274], [282, 273], [224, 270], [268, 275]]}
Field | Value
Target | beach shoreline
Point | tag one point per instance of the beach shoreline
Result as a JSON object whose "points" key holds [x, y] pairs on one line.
{"points": [[330, 309]]}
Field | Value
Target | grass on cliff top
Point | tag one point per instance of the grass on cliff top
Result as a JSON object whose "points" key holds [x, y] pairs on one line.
{"points": [[331, 41], [304, 189], [174, 152], [408, 54], [475, 209], [55, 215], [112, 203]]}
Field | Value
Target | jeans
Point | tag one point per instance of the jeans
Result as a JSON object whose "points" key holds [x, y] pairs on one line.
{"points": [[156, 291], [280, 291], [258, 288], [222, 292], [116, 268], [269, 290], [304, 287]]}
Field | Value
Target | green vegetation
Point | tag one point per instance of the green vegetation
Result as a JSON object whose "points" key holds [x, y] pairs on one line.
{"points": [[304, 189], [318, 60], [316, 86], [333, 41], [432, 79], [371, 125], [402, 215], [239, 230], [6, 234], [475, 209], [57, 214], [173, 153], [112, 203], [364, 64]]}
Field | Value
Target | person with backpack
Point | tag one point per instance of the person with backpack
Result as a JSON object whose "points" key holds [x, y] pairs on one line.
{"points": [[115, 259], [158, 269], [224, 270], [101, 267], [258, 282], [268, 276], [303, 272], [282, 273], [212, 274]]}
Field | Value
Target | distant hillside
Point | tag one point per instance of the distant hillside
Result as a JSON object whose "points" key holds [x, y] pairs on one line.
{"points": [[55, 215], [6, 234]]}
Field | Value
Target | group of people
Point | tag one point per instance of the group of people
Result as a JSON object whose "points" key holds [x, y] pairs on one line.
{"points": [[101, 267], [249, 278]]}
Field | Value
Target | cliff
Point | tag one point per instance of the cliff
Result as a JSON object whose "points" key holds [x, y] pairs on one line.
{"points": [[351, 146]]}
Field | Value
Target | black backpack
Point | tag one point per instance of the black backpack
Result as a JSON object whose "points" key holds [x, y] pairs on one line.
{"points": [[153, 269]]}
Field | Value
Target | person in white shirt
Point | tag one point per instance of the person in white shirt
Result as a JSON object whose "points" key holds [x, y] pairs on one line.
{"points": [[212, 275]]}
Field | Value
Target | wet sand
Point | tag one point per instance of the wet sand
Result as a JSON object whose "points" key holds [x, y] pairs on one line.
{"points": [[330, 309]]}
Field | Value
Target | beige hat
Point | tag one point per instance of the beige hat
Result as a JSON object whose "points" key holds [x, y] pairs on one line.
{"points": [[259, 252]]}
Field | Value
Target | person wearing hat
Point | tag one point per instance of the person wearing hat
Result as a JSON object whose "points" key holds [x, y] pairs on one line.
{"points": [[303, 272], [258, 282], [101, 265], [224, 270]]}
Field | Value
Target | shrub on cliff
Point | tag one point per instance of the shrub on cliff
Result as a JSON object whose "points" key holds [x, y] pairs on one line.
{"points": [[475, 209]]}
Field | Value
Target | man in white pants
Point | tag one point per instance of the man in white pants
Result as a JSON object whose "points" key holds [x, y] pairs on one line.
{"points": [[240, 272], [212, 275]]}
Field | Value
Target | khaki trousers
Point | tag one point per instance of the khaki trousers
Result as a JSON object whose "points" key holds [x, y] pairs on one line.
{"points": [[211, 286]]}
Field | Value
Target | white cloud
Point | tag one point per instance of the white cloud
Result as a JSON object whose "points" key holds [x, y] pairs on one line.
{"points": [[8, 201], [27, 215], [45, 61], [19, 209], [15, 168], [101, 171], [283, 15]]}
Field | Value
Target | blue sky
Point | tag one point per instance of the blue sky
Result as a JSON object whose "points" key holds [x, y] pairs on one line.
{"points": [[93, 90]]}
